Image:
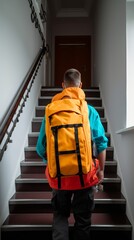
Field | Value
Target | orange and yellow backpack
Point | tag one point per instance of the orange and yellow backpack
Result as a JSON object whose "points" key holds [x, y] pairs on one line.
{"points": [[68, 135]]}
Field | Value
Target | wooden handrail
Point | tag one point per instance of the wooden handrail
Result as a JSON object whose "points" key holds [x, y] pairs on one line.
{"points": [[8, 117]]}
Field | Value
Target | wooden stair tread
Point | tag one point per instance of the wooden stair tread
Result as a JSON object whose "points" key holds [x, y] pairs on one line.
{"points": [[39, 162], [53, 87], [100, 219], [87, 98], [60, 89], [52, 91], [39, 119], [42, 176], [36, 134], [94, 101], [100, 195], [30, 152], [43, 107], [34, 148], [40, 110]]}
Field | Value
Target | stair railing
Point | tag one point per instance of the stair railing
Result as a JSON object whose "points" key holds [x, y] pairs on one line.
{"points": [[12, 115], [35, 20]]}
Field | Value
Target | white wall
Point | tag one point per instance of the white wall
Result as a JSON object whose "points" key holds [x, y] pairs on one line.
{"points": [[110, 74], [48, 66], [19, 42], [130, 62]]}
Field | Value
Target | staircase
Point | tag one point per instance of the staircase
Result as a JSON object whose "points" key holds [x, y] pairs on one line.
{"points": [[30, 207]]}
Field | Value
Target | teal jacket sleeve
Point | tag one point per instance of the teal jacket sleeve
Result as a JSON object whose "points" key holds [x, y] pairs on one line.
{"points": [[41, 142], [97, 130], [97, 133]]}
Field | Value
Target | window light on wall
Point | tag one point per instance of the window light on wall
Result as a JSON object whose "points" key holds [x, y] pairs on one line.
{"points": [[130, 63]]}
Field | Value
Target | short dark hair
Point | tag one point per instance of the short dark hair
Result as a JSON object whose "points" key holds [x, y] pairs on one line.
{"points": [[72, 78]]}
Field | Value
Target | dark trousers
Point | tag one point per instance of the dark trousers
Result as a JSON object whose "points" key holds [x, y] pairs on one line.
{"points": [[81, 202]]}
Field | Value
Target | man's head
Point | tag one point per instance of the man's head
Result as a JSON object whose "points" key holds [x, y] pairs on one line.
{"points": [[72, 78]]}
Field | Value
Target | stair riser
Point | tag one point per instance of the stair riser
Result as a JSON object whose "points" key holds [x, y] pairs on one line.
{"points": [[111, 235], [34, 186], [41, 169], [32, 141], [40, 112], [103, 233], [87, 93], [36, 126], [33, 155], [47, 208], [93, 102]]}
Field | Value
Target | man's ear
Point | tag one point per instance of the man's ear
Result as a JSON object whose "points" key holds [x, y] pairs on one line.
{"points": [[63, 85], [80, 86]]}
